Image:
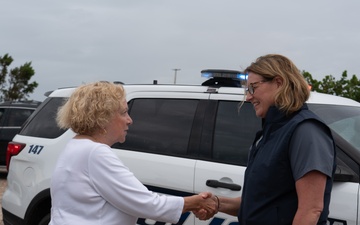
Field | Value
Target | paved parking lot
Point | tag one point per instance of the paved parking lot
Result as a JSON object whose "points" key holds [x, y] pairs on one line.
{"points": [[3, 184]]}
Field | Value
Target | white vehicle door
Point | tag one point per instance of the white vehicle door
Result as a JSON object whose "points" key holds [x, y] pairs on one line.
{"points": [[344, 204], [222, 180], [234, 131], [156, 145]]}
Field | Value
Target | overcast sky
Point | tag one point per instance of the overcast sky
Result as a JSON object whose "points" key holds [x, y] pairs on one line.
{"points": [[71, 42]]}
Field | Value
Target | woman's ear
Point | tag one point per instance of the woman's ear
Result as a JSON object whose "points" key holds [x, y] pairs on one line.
{"points": [[279, 81]]}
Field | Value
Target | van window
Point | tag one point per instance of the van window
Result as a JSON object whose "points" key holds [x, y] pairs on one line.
{"points": [[160, 126], [235, 131]]}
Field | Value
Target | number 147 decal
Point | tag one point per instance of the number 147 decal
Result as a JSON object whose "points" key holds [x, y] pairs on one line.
{"points": [[35, 149]]}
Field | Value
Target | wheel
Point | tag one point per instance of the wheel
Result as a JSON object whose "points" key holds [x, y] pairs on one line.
{"points": [[45, 220]]}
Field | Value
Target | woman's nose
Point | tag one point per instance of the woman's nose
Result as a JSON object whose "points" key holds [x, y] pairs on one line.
{"points": [[130, 121], [248, 96]]}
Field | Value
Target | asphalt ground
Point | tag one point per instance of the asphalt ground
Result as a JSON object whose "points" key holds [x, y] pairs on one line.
{"points": [[3, 184]]}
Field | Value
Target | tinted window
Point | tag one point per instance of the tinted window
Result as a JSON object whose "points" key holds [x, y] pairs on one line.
{"points": [[43, 123], [346, 167], [2, 112], [160, 125], [234, 132], [345, 123], [344, 120], [18, 116]]}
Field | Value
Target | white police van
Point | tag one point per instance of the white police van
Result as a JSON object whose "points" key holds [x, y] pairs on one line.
{"points": [[184, 140]]}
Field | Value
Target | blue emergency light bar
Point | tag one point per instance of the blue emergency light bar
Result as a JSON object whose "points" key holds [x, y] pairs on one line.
{"points": [[232, 74], [223, 78]]}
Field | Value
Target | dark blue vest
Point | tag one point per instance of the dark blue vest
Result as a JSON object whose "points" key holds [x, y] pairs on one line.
{"points": [[269, 195]]}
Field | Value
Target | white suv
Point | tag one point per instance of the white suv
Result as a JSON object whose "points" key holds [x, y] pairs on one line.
{"points": [[184, 140]]}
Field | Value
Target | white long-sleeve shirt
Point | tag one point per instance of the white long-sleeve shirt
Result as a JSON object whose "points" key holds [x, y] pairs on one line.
{"points": [[90, 185]]}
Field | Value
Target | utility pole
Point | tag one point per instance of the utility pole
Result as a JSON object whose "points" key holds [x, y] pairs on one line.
{"points": [[175, 74]]}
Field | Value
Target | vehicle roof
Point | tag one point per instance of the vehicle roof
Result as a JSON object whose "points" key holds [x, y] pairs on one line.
{"points": [[32, 104], [322, 98], [315, 97]]}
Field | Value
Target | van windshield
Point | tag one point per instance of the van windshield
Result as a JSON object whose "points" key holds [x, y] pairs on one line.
{"points": [[344, 120]]}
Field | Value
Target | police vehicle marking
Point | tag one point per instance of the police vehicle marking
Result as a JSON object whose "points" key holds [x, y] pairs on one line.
{"points": [[35, 149]]}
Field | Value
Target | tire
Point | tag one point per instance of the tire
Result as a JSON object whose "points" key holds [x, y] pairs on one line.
{"points": [[45, 220]]}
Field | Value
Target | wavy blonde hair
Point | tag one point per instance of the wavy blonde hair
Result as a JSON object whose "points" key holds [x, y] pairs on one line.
{"points": [[295, 90], [90, 107]]}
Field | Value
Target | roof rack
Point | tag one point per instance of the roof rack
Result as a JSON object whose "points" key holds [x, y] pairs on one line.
{"points": [[223, 78]]}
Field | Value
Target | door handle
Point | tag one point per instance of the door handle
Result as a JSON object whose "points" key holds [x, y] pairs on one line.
{"points": [[218, 184]]}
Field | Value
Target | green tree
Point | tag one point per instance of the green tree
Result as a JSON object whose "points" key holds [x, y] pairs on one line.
{"points": [[17, 85], [328, 85], [349, 88], [353, 88], [313, 82]]}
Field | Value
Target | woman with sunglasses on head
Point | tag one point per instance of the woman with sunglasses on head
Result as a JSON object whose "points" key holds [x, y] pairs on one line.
{"points": [[291, 163]]}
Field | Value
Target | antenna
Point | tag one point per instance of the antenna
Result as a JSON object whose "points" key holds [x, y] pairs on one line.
{"points": [[175, 74]]}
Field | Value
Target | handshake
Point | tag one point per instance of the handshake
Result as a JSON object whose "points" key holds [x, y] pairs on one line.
{"points": [[204, 205]]}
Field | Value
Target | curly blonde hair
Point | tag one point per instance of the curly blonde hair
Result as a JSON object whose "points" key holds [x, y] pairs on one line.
{"points": [[90, 107], [295, 90]]}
